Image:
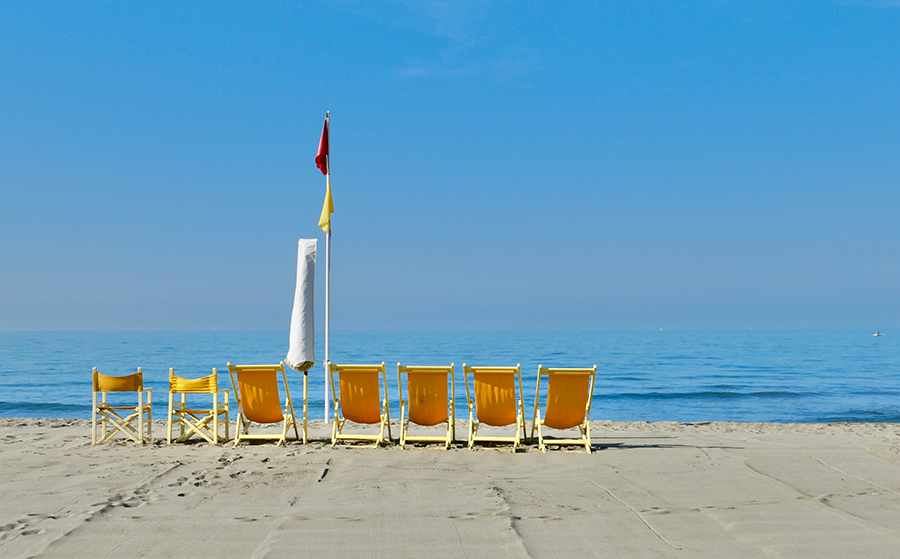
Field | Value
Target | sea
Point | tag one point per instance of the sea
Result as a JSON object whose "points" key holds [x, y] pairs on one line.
{"points": [[782, 376]]}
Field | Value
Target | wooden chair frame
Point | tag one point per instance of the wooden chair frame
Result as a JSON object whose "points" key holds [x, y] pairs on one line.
{"points": [[449, 373], [584, 427], [242, 424], [108, 414], [473, 412], [190, 420], [337, 425]]}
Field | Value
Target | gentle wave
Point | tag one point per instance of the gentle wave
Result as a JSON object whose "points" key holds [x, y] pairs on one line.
{"points": [[863, 416], [706, 395], [41, 409]]}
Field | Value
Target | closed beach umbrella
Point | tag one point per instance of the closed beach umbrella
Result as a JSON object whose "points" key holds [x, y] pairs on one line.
{"points": [[301, 353]]}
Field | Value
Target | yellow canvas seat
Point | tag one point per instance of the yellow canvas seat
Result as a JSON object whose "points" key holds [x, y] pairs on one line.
{"points": [[108, 414], [359, 400], [431, 402], [569, 395], [258, 401], [495, 402], [202, 421]]}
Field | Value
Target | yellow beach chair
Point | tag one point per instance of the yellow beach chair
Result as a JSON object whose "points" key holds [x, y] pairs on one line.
{"points": [[108, 414], [569, 395], [360, 401], [258, 401], [197, 420], [431, 401], [495, 402]]}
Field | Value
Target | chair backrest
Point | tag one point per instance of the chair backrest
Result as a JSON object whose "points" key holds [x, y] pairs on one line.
{"points": [[569, 393], [496, 402], [127, 383], [203, 385], [256, 390], [359, 391], [428, 392]]}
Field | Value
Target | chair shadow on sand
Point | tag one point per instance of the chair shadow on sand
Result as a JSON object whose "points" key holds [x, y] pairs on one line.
{"points": [[650, 445]]}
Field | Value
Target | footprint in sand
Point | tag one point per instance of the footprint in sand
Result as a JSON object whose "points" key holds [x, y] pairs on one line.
{"points": [[33, 532]]}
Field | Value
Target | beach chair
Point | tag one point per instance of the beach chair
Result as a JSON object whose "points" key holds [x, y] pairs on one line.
{"points": [[202, 421], [360, 400], [108, 414], [258, 401], [569, 395], [495, 402], [431, 402]]}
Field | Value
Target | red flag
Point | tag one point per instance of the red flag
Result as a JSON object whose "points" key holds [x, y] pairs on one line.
{"points": [[322, 154]]}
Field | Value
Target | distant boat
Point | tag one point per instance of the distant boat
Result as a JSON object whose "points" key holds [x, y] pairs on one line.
{"points": [[877, 333]]}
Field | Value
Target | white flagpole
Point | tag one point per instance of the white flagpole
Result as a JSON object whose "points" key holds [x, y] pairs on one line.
{"points": [[327, 276], [327, 320]]}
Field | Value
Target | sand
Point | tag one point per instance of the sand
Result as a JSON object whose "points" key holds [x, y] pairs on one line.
{"points": [[649, 490]]}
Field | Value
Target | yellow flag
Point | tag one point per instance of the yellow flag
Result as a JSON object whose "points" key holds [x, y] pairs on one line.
{"points": [[327, 207]]}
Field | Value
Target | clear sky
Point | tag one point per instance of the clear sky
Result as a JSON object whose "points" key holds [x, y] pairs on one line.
{"points": [[514, 165]]}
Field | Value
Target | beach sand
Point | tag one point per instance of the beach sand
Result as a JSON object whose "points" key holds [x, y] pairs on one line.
{"points": [[648, 490]]}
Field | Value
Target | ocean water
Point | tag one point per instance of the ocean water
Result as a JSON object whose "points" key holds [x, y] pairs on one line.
{"points": [[685, 376]]}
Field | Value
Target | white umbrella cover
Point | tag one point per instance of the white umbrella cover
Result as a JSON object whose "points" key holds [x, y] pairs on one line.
{"points": [[301, 353]]}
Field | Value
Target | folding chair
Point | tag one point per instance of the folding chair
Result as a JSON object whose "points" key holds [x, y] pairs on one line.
{"points": [[197, 420], [569, 395], [258, 401], [108, 413], [495, 402], [431, 402], [359, 401]]}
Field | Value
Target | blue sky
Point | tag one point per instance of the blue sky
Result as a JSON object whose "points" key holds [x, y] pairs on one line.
{"points": [[728, 164]]}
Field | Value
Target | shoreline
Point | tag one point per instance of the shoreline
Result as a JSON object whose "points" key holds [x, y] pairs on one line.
{"points": [[711, 489], [598, 425]]}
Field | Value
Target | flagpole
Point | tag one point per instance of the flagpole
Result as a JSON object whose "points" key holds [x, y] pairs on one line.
{"points": [[328, 277]]}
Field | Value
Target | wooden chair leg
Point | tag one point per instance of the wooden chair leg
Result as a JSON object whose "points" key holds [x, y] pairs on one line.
{"points": [[94, 419], [149, 417]]}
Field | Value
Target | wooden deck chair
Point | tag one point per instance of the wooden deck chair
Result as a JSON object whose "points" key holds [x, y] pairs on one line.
{"points": [[569, 395], [495, 402], [258, 401], [197, 420], [360, 400], [108, 414], [431, 402]]}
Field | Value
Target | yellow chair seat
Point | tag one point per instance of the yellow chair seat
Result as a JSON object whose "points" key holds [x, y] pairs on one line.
{"points": [[495, 398], [259, 396], [360, 397], [428, 398]]}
